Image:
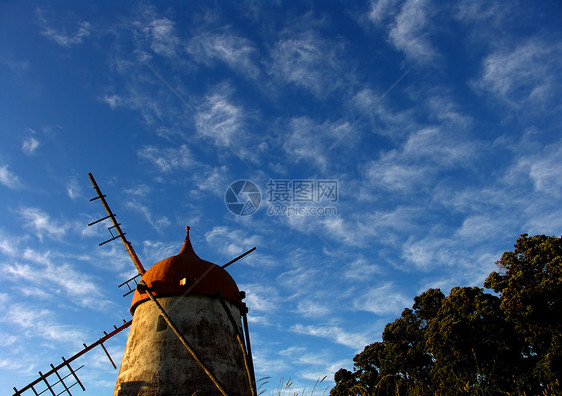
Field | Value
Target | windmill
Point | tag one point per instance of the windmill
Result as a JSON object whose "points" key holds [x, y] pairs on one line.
{"points": [[189, 332]]}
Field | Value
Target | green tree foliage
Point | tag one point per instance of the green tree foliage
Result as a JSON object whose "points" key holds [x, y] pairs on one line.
{"points": [[472, 342], [530, 286]]}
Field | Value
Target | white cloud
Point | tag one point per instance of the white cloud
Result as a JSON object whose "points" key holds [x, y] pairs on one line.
{"points": [[9, 179], [302, 280], [73, 188], [261, 298], [313, 309], [386, 120], [152, 32], [527, 74], [8, 245], [231, 242], [392, 174], [60, 276], [114, 101], [381, 10], [29, 145], [42, 223], [139, 93], [363, 269], [7, 339], [41, 323], [545, 170], [164, 40], [336, 334], [157, 222], [212, 180], [409, 33], [487, 18], [473, 227], [309, 62], [168, 159], [220, 120], [436, 145], [424, 155], [383, 299], [154, 252], [139, 190], [307, 140], [229, 48], [59, 34], [427, 253]]}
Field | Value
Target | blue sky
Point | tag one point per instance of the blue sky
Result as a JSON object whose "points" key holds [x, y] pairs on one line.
{"points": [[440, 125]]}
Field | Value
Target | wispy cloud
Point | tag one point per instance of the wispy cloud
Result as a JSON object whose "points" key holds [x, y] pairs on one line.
{"points": [[390, 173], [159, 223], [314, 309], [42, 224], [59, 34], [487, 15], [29, 145], [168, 159], [9, 179], [233, 241], [308, 61], [41, 323], [138, 95], [8, 245], [211, 181], [73, 188], [237, 52], [220, 119], [262, 299], [410, 32], [164, 40], [55, 279], [544, 169], [428, 252], [306, 139], [335, 334], [113, 100], [521, 75], [382, 9], [361, 267], [382, 299], [152, 33], [425, 154]]}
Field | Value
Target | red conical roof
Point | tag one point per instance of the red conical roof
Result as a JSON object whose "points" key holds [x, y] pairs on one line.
{"points": [[165, 278]]}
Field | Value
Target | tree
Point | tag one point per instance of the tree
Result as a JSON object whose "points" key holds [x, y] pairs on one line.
{"points": [[473, 346], [472, 342], [530, 287]]}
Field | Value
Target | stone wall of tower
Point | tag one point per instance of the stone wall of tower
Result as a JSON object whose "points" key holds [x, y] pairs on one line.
{"points": [[155, 363]]}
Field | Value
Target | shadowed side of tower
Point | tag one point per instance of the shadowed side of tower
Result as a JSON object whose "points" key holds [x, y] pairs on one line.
{"points": [[189, 290]]}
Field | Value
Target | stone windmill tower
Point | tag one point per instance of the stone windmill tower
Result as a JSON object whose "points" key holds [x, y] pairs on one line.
{"points": [[186, 335], [189, 332]]}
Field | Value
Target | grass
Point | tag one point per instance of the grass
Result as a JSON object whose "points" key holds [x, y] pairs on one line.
{"points": [[284, 388]]}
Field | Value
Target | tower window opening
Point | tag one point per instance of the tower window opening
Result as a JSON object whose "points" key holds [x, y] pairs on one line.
{"points": [[161, 325]]}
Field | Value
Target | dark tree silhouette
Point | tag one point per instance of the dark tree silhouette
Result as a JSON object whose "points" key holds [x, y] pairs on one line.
{"points": [[472, 342]]}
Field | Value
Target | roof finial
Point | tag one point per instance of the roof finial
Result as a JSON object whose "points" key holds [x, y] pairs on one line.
{"points": [[187, 248]]}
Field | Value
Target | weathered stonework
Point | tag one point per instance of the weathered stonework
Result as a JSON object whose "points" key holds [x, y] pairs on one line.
{"points": [[155, 362]]}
